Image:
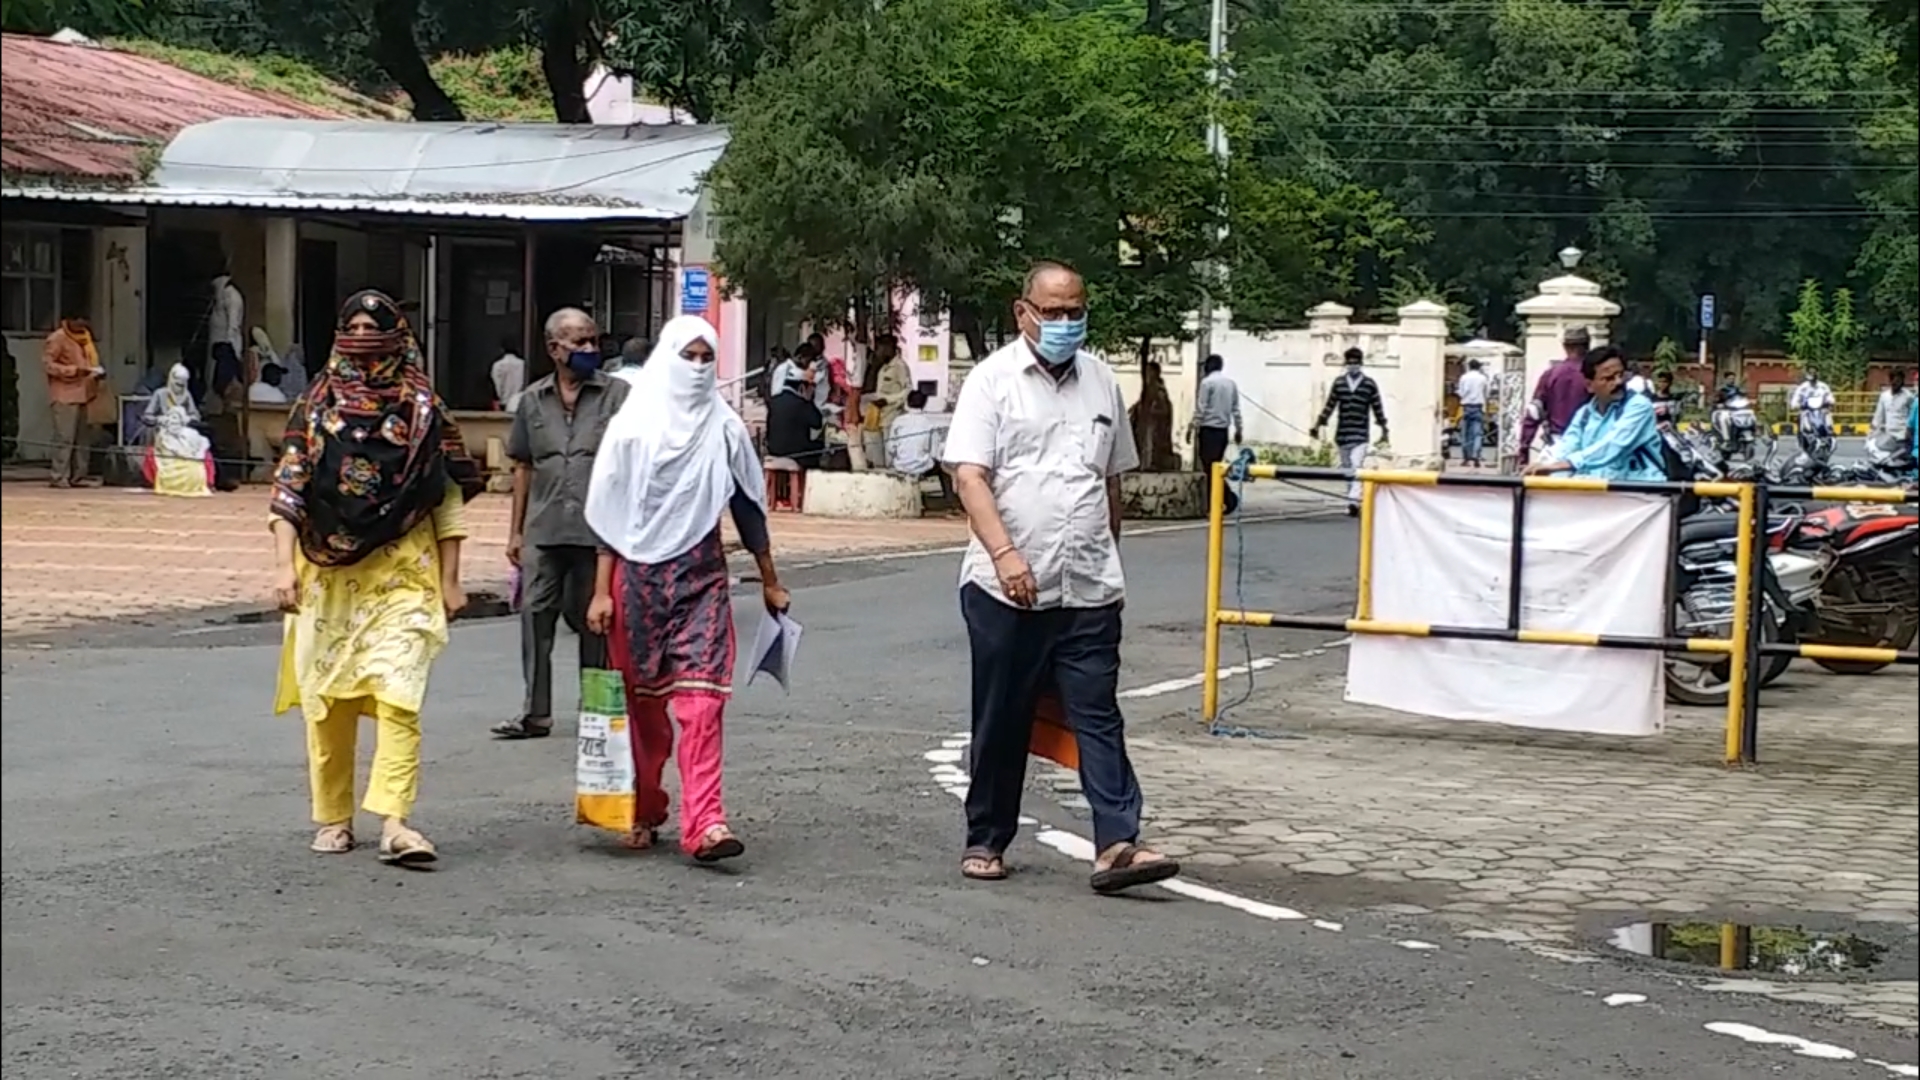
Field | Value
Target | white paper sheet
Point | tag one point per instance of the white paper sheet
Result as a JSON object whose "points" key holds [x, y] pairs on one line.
{"points": [[774, 646], [1595, 563]]}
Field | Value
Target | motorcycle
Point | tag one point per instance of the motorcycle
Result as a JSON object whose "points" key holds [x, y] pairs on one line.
{"points": [[1870, 587], [1736, 427], [1705, 573], [1887, 461], [1845, 575], [1814, 463]]}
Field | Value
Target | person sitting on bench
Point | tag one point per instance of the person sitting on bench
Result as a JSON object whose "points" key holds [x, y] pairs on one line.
{"points": [[914, 443]]}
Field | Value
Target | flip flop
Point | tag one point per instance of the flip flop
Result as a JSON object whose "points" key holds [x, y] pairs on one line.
{"points": [[1125, 873], [995, 865]]}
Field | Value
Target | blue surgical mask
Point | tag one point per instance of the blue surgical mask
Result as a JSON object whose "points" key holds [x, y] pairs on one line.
{"points": [[583, 364], [1060, 340]]}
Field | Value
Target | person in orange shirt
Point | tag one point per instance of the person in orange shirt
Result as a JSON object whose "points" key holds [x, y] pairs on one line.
{"points": [[73, 381]]}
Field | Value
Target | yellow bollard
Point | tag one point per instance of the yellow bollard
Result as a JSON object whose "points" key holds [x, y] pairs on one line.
{"points": [[1742, 605], [1216, 557]]}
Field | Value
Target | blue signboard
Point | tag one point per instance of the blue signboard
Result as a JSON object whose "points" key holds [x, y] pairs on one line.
{"points": [[1706, 311], [696, 287]]}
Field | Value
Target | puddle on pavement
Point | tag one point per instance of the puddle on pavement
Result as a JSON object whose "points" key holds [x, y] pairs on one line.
{"points": [[1776, 949]]}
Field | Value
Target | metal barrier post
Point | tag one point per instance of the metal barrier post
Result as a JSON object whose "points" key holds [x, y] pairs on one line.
{"points": [[1758, 569], [1742, 653], [1216, 557], [1363, 604]]}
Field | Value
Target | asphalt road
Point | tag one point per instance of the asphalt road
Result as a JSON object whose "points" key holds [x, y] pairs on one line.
{"points": [[164, 919]]}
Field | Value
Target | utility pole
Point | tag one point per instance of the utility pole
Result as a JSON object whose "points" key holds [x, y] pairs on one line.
{"points": [[1211, 272]]}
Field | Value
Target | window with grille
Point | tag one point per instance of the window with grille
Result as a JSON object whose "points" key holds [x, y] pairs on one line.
{"points": [[29, 279]]}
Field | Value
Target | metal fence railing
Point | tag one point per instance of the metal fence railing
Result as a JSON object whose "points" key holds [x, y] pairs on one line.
{"points": [[1744, 648]]}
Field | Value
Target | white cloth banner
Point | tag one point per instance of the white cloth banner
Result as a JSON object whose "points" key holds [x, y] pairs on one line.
{"points": [[1595, 563]]}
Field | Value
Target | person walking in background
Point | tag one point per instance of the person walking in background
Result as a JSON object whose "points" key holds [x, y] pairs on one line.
{"points": [[367, 519], [1216, 419], [1037, 446], [509, 374], [675, 459], [1561, 391], [1356, 397], [72, 363], [1893, 411], [556, 432], [1472, 391]]}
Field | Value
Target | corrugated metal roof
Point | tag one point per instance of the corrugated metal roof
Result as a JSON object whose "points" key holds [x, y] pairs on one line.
{"points": [[519, 171], [552, 212], [83, 112]]}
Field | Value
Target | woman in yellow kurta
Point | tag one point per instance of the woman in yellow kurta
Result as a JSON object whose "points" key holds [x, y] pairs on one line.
{"points": [[367, 523]]}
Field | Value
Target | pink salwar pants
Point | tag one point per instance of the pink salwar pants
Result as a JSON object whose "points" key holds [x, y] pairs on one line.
{"points": [[699, 715]]}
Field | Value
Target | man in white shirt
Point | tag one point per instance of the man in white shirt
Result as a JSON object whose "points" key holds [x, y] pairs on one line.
{"points": [[1893, 413], [1038, 442], [509, 375], [914, 443], [1472, 392]]}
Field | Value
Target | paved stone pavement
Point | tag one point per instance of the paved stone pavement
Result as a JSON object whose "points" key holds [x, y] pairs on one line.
{"points": [[1545, 838], [70, 557]]}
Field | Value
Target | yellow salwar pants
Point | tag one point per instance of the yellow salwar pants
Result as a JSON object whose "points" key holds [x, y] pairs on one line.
{"points": [[394, 783]]}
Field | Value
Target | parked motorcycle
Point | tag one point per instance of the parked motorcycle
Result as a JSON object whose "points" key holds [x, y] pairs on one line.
{"points": [[1705, 574], [1886, 461], [1845, 575], [1870, 587]]}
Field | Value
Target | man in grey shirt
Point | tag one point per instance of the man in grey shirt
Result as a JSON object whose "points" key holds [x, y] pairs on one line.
{"points": [[1216, 415], [556, 431]]}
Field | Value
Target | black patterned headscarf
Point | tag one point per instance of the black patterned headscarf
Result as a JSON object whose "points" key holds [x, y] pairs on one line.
{"points": [[370, 448]]}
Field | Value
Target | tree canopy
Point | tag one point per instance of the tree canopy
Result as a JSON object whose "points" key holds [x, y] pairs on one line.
{"points": [[1451, 147]]}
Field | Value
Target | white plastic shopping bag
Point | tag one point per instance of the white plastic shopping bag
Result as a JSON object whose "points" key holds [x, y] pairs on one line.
{"points": [[603, 770]]}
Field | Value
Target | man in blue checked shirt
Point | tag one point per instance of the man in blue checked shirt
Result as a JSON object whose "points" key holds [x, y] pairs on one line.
{"points": [[1614, 436]]}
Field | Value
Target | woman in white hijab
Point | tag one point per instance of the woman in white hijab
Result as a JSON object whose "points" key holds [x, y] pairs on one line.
{"points": [[179, 461], [674, 459]]}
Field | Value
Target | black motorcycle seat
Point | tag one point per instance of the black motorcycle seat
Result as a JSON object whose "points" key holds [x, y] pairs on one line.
{"points": [[1702, 528]]}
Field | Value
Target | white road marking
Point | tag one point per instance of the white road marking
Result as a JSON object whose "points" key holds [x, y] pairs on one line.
{"points": [[952, 779], [1171, 686]]}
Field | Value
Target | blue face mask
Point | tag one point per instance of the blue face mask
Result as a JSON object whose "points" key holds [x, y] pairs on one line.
{"points": [[583, 364], [1060, 340]]}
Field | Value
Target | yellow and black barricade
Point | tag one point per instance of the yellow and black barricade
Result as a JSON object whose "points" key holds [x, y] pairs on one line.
{"points": [[1744, 648]]}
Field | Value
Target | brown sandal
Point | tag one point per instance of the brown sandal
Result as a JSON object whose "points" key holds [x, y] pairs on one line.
{"points": [[1127, 869], [983, 865], [406, 847], [719, 843], [332, 840], [642, 838]]}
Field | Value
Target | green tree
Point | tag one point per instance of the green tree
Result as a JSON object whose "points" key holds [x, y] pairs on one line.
{"points": [[1676, 142], [1825, 337], [944, 145]]}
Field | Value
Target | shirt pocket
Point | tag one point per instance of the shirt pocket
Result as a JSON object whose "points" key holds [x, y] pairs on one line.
{"points": [[1096, 446]]}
